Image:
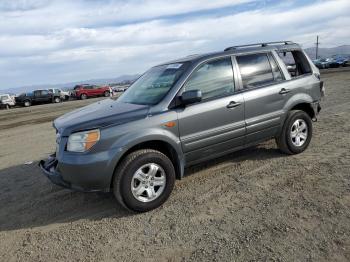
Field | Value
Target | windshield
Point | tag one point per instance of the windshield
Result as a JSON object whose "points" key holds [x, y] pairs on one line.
{"points": [[152, 86]]}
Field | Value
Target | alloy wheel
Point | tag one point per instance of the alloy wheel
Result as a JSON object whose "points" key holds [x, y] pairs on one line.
{"points": [[148, 182], [299, 132]]}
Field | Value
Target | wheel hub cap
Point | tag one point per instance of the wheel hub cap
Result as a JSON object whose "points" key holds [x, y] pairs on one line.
{"points": [[299, 132], [148, 182]]}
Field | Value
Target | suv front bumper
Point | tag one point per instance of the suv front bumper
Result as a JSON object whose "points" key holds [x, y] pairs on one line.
{"points": [[48, 167], [86, 173]]}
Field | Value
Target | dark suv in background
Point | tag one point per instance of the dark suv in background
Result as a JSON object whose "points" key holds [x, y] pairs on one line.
{"points": [[184, 112], [38, 97], [85, 91]]}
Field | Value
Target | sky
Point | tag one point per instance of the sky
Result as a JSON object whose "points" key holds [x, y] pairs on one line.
{"points": [[59, 41]]}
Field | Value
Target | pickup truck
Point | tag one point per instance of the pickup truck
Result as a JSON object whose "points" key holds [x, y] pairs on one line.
{"points": [[7, 101], [38, 97]]}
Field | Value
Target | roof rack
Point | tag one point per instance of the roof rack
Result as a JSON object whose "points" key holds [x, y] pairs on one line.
{"points": [[259, 45]]}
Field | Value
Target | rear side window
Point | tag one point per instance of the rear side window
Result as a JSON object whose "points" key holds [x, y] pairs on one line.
{"points": [[296, 63], [255, 70], [214, 79]]}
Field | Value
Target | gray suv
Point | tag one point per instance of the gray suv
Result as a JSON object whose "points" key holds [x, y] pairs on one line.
{"points": [[184, 112]]}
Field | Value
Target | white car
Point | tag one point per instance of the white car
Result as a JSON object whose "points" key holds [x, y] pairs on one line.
{"points": [[64, 94], [7, 101]]}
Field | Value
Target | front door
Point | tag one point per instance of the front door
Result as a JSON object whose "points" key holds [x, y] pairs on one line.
{"points": [[216, 124]]}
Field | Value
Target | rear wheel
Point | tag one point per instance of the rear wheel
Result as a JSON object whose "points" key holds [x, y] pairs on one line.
{"points": [[296, 133], [144, 180], [83, 96], [27, 103]]}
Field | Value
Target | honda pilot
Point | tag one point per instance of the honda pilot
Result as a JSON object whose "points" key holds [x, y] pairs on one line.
{"points": [[184, 112]]}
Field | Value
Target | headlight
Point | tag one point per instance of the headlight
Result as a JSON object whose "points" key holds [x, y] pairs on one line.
{"points": [[83, 141]]}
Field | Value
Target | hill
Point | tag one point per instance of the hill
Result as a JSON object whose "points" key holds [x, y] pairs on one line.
{"points": [[102, 81], [343, 50]]}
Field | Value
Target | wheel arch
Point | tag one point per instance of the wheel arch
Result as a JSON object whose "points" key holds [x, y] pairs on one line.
{"points": [[306, 107], [302, 102]]}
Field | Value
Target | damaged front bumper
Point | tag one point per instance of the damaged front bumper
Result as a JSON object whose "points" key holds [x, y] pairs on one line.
{"points": [[48, 167]]}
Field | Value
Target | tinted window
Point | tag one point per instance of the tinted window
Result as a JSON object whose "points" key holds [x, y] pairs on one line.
{"points": [[37, 93], [214, 79], [255, 70], [44, 92]]}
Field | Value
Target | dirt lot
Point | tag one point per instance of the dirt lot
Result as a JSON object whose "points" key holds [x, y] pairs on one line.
{"points": [[253, 205]]}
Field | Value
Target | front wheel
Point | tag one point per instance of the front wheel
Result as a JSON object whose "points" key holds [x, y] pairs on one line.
{"points": [[144, 180], [27, 103], [83, 96], [106, 94], [57, 100], [296, 133]]}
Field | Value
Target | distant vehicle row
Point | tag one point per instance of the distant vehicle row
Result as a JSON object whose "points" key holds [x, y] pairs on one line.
{"points": [[55, 95], [324, 63]]}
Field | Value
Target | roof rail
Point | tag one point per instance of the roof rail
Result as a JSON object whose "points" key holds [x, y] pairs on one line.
{"points": [[260, 44]]}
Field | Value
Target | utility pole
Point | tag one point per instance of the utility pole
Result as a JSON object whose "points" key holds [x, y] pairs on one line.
{"points": [[317, 43]]}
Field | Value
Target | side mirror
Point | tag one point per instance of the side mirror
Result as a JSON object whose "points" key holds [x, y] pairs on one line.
{"points": [[191, 97]]}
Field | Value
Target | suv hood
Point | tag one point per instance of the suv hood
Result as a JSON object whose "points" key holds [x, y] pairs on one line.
{"points": [[100, 114]]}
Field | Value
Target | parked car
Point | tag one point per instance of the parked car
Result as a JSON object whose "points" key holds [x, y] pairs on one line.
{"points": [[120, 88], [332, 63], [85, 91], [65, 95], [342, 61], [38, 97], [7, 101], [184, 112], [321, 63]]}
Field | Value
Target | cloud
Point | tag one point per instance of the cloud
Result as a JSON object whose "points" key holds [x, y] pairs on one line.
{"points": [[59, 41]]}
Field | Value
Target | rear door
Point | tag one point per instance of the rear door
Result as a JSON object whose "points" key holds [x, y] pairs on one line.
{"points": [[265, 94], [216, 124]]}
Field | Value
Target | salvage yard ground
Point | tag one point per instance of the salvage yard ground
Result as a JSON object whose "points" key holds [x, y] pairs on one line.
{"points": [[256, 204]]}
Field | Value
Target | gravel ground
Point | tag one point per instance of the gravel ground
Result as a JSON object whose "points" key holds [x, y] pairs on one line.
{"points": [[252, 205]]}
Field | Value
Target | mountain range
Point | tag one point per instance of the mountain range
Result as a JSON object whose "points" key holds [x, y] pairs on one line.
{"points": [[65, 86], [343, 50]]}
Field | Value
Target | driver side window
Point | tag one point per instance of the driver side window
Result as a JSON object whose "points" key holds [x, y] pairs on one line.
{"points": [[214, 79]]}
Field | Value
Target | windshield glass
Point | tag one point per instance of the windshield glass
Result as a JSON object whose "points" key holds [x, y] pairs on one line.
{"points": [[152, 86]]}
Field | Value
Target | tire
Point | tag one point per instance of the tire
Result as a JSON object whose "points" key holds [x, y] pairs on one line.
{"points": [[27, 103], [126, 179], [106, 93], [57, 100], [66, 98], [7, 107], [83, 96], [293, 129]]}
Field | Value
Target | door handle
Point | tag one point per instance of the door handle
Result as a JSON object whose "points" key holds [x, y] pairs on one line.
{"points": [[233, 104], [284, 91]]}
